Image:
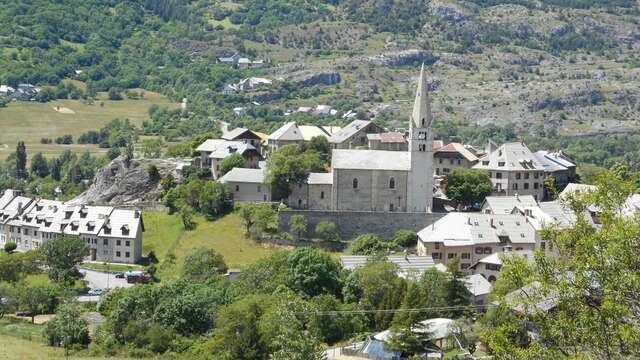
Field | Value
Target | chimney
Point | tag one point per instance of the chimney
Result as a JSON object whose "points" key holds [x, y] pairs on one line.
{"points": [[20, 208]]}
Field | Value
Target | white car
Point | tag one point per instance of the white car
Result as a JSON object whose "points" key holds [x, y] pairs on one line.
{"points": [[96, 292]]}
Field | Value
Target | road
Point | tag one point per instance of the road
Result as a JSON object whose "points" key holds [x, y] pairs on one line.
{"points": [[98, 279]]}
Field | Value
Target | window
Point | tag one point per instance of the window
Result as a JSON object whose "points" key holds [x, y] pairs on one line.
{"points": [[321, 194], [451, 255], [445, 170], [127, 254], [436, 246], [299, 202], [437, 171], [515, 186], [105, 242], [485, 162], [459, 162], [451, 161], [535, 175], [35, 232], [493, 267], [117, 253], [500, 163], [465, 256], [535, 185], [118, 242], [392, 183], [543, 246], [479, 250], [526, 175], [517, 176], [526, 186], [464, 266], [440, 161], [259, 188], [355, 183], [127, 243], [237, 188], [436, 255], [498, 175], [390, 207], [487, 250]]}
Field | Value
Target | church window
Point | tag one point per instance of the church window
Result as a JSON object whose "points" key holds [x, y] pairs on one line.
{"points": [[321, 194], [391, 207], [392, 183], [299, 202], [422, 122], [355, 183], [237, 187]]}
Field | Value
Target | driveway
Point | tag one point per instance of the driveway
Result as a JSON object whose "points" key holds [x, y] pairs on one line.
{"points": [[102, 280]]}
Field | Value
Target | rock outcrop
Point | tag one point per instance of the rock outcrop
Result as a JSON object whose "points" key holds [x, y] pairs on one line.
{"points": [[317, 78], [123, 182], [402, 58]]}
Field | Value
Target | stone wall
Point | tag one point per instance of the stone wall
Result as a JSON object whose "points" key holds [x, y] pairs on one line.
{"points": [[350, 224]]}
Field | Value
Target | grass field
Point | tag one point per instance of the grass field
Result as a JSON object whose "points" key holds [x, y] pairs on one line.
{"points": [[31, 121], [165, 235]]}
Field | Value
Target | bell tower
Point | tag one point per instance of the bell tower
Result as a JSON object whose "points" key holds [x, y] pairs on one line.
{"points": [[420, 180]]}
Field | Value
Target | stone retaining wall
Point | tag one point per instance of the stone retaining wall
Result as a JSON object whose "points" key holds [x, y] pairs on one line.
{"points": [[350, 224]]}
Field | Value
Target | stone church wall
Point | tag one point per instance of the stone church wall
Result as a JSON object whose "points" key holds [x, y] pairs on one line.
{"points": [[350, 224]]}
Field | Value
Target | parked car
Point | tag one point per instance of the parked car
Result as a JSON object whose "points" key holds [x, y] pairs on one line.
{"points": [[135, 277], [24, 313], [119, 275], [96, 292]]}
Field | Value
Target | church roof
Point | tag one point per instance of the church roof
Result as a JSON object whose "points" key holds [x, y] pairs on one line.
{"points": [[370, 160], [422, 104]]}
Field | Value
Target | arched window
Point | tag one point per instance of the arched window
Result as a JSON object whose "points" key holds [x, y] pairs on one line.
{"points": [[392, 183], [422, 122], [355, 183]]}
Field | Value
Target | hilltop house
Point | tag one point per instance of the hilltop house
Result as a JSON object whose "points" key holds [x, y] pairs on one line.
{"points": [[214, 151], [112, 234]]}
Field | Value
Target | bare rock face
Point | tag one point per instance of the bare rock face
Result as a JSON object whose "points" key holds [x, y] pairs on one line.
{"points": [[123, 182], [402, 58], [317, 78]]}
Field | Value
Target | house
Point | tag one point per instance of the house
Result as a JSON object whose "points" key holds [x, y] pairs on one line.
{"points": [[506, 204], [244, 135], [112, 234], [292, 133], [393, 141], [471, 237], [354, 135], [25, 92], [410, 265], [214, 151], [558, 166], [254, 83], [479, 287], [230, 60], [246, 63], [573, 188], [451, 157], [314, 193], [240, 111], [513, 169], [247, 185], [489, 266], [229, 89]]}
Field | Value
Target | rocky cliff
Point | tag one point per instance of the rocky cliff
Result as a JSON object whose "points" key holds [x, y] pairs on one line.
{"points": [[123, 182]]}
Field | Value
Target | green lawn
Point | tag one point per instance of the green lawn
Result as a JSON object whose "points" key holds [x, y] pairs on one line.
{"points": [[111, 267], [165, 235], [31, 121]]}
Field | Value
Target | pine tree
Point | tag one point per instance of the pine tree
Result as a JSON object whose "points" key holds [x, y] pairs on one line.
{"points": [[21, 161]]}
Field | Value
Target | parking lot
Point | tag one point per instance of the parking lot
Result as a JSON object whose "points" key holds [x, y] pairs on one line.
{"points": [[101, 280]]}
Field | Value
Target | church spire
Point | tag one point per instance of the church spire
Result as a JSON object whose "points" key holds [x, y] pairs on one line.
{"points": [[421, 116]]}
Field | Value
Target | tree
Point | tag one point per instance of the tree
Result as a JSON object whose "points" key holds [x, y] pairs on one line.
{"points": [[152, 148], [10, 247], [550, 186], [153, 172], [298, 225], [21, 161], [234, 160], [39, 166], [17, 265], [68, 328], [115, 93], [186, 215], [288, 166], [203, 264], [62, 254], [312, 272], [457, 292], [405, 238], [468, 187], [327, 230], [367, 244], [36, 299]]}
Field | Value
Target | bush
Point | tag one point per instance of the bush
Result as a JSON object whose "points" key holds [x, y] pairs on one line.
{"points": [[367, 244], [154, 174], [10, 247], [327, 230], [405, 238]]}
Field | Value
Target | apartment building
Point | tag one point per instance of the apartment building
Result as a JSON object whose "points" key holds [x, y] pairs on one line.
{"points": [[112, 234]]}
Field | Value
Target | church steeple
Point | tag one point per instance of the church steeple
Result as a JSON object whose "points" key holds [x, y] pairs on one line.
{"points": [[421, 116]]}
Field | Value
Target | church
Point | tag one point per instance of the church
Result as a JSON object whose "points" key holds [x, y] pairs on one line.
{"points": [[378, 180]]}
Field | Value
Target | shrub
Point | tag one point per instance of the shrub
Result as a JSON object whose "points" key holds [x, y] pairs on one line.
{"points": [[10, 247], [154, 174], [367, 244], [405, 238], [327, 230]]}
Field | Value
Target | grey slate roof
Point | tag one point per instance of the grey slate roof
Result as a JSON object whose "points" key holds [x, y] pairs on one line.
{"points": [[348, 131], [505, 204], [235, 133], [229, 148], [514, 156], [320, 179], [370, 160], [243, 175], [417, 264]]}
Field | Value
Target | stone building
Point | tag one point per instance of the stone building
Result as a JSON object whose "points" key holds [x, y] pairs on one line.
{"points": [[387, 141], [354, 135], [292, 133], [451, 157], [247, 185], [513, 169], [112, 234], [214, 151], [377, 180]]}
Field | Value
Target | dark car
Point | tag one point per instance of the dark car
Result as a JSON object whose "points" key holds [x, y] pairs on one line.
{"points": [[119, 275], [24, 313]]}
